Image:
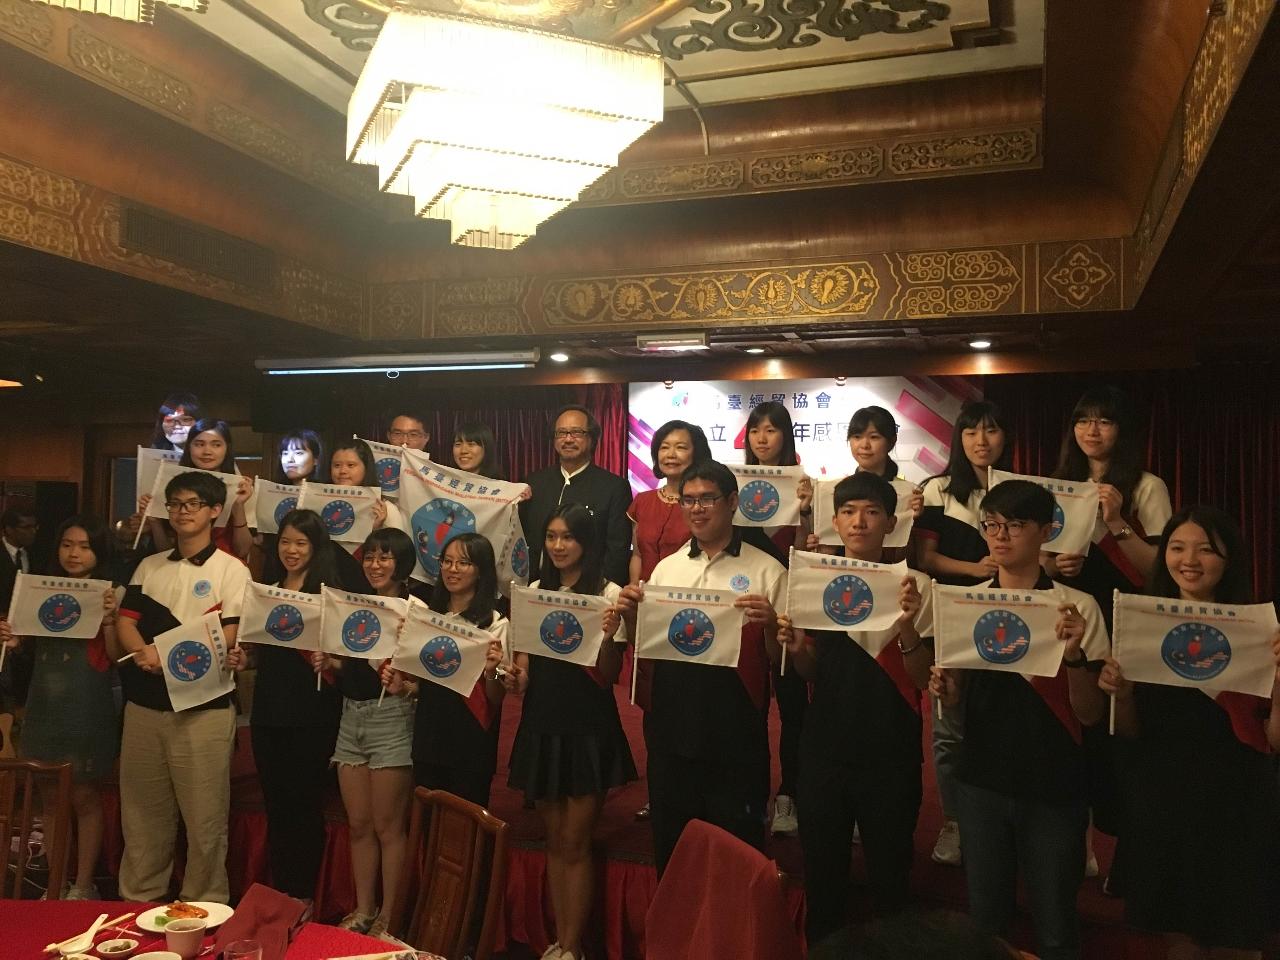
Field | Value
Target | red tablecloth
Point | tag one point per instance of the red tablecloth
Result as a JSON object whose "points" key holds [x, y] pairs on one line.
{"points": [[27, 925]]}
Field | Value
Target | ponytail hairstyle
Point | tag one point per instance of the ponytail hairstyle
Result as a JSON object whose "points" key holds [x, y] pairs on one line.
{"points": [[582, 525], [479, 551], [1124, 469], [961, 478], [776, 414], [884, 424]]}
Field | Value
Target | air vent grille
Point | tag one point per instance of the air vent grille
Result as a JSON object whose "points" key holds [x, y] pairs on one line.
{"points": [[198, 248]]}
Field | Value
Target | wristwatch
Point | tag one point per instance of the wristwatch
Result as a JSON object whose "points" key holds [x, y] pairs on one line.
{"points": [[1125, 532]]}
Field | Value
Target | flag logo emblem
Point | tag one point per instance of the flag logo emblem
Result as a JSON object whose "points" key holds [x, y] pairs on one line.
{"points": [[361, 631], [848, 600], [1001, 637], [1059, 521], [189, 661], [739, 582], [1196, 651], [440, 657], [691, 632], [759, 500], [284, 622], [339, 517], [59, 612], [284, 507], [561, 631], [434, 523], [388, 470], [520, 558], [202, 588]]}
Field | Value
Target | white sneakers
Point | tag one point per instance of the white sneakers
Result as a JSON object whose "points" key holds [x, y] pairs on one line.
{"points": [[947, 850], [557, 952], [784, 816]]}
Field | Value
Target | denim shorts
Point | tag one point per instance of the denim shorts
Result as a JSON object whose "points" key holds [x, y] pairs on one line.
{"points": [[375, 736]]}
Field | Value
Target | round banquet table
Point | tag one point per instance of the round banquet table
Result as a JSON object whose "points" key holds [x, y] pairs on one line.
{"points": [[27, 925]]}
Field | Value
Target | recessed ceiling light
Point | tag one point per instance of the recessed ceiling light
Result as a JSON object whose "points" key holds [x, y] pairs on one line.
{"points": [[754, 350], [980, 344], [559, 356]]}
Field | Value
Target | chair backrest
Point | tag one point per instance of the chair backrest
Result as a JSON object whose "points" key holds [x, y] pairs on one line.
{"points": [[23, 786], [454, 877]]}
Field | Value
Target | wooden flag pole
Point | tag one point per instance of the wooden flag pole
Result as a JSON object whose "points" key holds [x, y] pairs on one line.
{"points": [[1112, 725], [635, 655], [128, 656], [320, 672]]}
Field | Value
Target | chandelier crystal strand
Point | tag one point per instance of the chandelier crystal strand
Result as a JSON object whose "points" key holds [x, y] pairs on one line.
{"points": [[493, 126], [137, 11]]}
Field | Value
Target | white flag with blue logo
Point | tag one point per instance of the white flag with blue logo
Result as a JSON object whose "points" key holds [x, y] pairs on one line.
{"points": [[167, 470], [56, 606], [439, 503], [386, 466], [824, 492], [279, 617], [839, 593], [442, 649], [347, 512], [689, 625], [1181, 643], [360, 624], [553, 623], [194, 659], [149, 461], [767, 496], [994, 628], [1075, 510], [513, 559], [272, 501]]}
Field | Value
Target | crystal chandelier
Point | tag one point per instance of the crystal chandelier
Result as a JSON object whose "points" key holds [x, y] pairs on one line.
{"points": [[139, 11], [493, 126]]}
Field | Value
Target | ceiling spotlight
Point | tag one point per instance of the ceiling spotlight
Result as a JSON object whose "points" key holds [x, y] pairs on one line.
{"points": [[559, 356], [754, 350], [980, 344]]}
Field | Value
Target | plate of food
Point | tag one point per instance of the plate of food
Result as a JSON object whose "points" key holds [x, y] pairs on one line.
{"points": [[157, 918]]}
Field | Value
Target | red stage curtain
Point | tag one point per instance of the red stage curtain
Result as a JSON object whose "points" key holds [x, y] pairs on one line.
{"points": [[1213, 437], [521, 421]]}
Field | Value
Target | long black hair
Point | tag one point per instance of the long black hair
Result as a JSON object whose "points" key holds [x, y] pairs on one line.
{"points": [[582, 525], [477, 549], [776, 414], [473, 431], [100, 542], [310, 441], [882, 421], [366, 458], [1226, 541], [962, 479], [323, 567], [1124, 468], [187, 402], [222, 429]]}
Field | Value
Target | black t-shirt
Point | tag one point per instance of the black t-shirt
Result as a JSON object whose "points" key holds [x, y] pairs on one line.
{"points": [[563, 698], [358, 679], [284, 691], [702, 711], [857, 716], [446, 733]]}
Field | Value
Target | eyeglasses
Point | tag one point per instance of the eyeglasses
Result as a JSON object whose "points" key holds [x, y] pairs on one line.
{"points": [[179, 421], [576, 432], [456, 564], [1008, 527], [1102, 423], [405, 434], [185, 506], [706, 501]]}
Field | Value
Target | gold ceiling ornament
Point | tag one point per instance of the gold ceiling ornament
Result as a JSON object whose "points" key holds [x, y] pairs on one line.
{"points": [[608, 21], [493, 126], [137, 11]]}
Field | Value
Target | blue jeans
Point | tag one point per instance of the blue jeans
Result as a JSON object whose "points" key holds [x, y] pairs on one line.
{"points": [[1000, 835], [948, 732]]}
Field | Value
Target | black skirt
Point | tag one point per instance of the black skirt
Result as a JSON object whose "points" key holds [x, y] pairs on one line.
{"points": [[551, 766]]}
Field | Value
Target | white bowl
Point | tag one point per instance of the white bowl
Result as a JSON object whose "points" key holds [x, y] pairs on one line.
{"points": [[157, 955], [117, 948]]}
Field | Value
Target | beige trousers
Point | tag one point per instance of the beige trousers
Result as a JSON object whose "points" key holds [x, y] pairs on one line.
{"points": [[173, 763]]}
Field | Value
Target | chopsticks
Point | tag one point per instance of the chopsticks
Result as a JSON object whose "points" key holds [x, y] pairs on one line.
{"points": [[54, 947]]}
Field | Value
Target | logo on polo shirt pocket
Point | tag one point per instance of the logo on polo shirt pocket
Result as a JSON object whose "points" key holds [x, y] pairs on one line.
{"points": [[202, 588], [740, 582]]}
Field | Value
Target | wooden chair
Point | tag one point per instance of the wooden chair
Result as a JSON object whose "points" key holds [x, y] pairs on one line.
{"points": [[454, 878], [22, 785]]}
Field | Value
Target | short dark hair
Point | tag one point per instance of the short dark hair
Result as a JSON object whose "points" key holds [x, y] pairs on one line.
{"points": [[222, 429], [100, 542], [366, 458], [476, 548], [308, 440], [713, 471], [323, 567], [701, 448], [593, 425], [412, 415], [205, 486], [866, 486], [776, 413], [13, 514], [397, 543], [1020, 500], [1234, 587], [883, 421]]}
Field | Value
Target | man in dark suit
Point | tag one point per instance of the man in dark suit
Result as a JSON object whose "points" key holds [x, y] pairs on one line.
{"points": [[18, 529], [576, 479]]}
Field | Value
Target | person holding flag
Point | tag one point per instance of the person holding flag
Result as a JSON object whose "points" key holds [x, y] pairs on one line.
{"points": [[209, 448], [476, 451], [408, 430], [861, 742], [373, 751], [1023, 798], [293, 726], [299, 457], [71, 712], [455, 739], [709, 736], [351, 465], [570, 748], [1205, 885], [177, 763]]}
